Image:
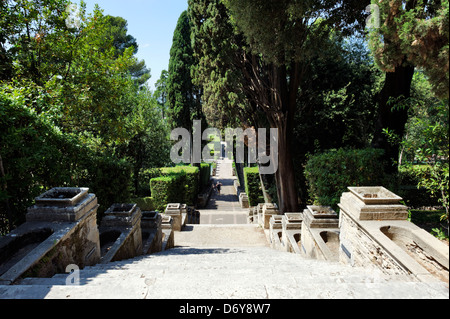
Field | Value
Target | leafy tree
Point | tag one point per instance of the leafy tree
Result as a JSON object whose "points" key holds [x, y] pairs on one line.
{"points": [[281, 36], [70, 110], [419, 32], [29, 28], [149, 146], [161, 92], [118, 31], [335, 108], [80, 69], [426, 142], [412, 33], [253, 58]]}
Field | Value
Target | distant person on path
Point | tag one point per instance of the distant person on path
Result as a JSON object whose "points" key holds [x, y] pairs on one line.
{"points": [[218, 187]]}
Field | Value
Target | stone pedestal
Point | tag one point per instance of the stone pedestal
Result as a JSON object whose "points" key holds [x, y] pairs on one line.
{"points": [[268, 211], [61, 229], [275, 232], [76, 206], [320, 233], [126, 220], [152, 232], [62, 205], [259, 211], [243, 200], [193, 216], [168, 233], [292, 229], [175, 211]]}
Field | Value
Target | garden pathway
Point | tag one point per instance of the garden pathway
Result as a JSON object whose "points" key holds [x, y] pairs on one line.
{"points": [[224, 208]]}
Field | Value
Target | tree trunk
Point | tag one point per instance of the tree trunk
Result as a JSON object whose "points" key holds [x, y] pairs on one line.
{"points": [[285, 177], [397, 86], [4, 187]]}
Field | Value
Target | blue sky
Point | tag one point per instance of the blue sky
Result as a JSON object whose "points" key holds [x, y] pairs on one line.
{"points": [[151, 22]]}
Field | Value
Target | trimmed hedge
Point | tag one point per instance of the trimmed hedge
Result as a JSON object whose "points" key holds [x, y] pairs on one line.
{"points": [[190, 183], [205, 175], [329, 174], [253, 186], [144, 203], [180, 184], [167, 189]]}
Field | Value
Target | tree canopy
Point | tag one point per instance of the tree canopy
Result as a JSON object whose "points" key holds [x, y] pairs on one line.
{"points": [[74, 106]]}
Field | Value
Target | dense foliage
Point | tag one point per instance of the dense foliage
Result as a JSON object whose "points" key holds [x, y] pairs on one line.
{"points": [[75, 110], [253, 186], [330, 173], [167, 189]]}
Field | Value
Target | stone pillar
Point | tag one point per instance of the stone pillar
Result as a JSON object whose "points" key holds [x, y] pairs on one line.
{"points": [[292, 228], [168, 234], [276, 224], [126, 219], [375, 234], [152, 229], [320, 233], [174, 211], [267, 212], [243, 200], [259, 212]]}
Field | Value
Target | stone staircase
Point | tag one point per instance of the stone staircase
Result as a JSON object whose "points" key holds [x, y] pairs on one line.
{"points": [[229, 271], [224, 261]]}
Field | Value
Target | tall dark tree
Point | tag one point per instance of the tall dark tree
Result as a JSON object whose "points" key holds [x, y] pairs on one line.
{"points": [[160, 93], [252, 69], [281, 37], [183, 96], [218, 49]]}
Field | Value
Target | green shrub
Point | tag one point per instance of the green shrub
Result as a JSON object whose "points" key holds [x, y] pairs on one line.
{"points": [[205, 175], [37, 156], [253, 186], [167, 189], [191, 182], [144, 203], [145, 176], [330, 173], [109, 178]]}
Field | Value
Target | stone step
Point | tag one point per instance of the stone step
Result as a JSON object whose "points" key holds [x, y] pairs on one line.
{"points": [[191, 290], [212, 275], [212, 267], [221, 272]]}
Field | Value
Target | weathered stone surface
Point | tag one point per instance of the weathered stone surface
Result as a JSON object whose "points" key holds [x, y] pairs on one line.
{"points": [[361, 211], [293, 221], [320, 233], [174, 210], [329, 219], [151, 230], [268, 211], [243, 200], [126, 215], [375, 235], [126, 220], [53, 210], [74, 242], [377, 195]]}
